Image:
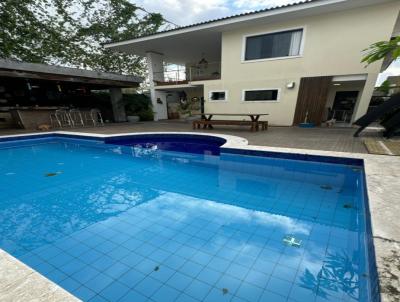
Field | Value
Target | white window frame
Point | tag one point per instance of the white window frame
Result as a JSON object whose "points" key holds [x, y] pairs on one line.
{"points": [[301, 52], [278, 97], [218, 90]]}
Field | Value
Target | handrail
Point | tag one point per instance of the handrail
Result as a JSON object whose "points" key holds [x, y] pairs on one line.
{"points": [[195, 72]]}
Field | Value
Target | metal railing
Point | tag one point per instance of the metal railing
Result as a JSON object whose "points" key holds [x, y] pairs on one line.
{"points": [[193, 72]]}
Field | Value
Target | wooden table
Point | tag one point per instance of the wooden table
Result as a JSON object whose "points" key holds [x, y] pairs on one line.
{"points": [[254, 118]]}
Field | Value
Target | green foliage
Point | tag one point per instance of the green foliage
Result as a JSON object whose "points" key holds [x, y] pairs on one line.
{"points": [[381, 50], [140, 105], [385, 87], [72, 32]]}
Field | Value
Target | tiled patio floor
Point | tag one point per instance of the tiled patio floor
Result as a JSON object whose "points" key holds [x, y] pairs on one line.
{"points": [[328, 139]]}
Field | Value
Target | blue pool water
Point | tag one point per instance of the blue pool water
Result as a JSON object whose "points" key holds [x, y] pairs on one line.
{"points": [[125, 223]]}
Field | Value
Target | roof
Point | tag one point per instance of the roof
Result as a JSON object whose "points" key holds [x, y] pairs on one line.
{"points": [[301, 8], [225, 18], [13, 68]]}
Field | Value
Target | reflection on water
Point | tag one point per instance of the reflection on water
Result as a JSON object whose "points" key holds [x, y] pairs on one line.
{"points": [[339, 274]]}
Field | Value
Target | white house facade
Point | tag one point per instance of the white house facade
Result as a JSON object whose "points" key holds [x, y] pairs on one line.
{"points": [[294, 62]]}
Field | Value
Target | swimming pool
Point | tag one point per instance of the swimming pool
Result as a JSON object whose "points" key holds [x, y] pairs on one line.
{"points": [[112, 222]]}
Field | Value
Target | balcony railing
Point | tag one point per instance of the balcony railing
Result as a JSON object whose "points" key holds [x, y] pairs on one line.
{"points": [[203, 72]]}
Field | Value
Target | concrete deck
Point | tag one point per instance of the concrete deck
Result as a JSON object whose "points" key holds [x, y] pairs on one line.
{"points": [[327, 139]]}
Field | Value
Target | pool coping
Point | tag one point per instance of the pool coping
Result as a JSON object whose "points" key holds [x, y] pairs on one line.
{"points": [[382, 173]]}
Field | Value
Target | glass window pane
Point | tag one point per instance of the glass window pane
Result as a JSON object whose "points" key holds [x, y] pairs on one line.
{"points": [[218, 95], [274, 45], [261, 95]]}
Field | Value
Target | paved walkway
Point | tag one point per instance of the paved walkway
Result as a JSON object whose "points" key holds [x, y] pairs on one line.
{"points": [[327, 139]]}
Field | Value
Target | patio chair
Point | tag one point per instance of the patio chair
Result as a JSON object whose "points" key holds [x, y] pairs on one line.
{"points": [[76, 117], [94, 117], [60, 119]]}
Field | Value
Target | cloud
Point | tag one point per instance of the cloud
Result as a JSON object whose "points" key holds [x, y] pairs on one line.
{"points": [[392, 70], [184, 12]]}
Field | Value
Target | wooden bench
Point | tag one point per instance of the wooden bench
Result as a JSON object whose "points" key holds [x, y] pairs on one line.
{"points": [[254, 126]]}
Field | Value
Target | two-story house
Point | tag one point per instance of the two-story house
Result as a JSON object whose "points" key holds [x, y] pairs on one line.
{"points": [[290, 61]]}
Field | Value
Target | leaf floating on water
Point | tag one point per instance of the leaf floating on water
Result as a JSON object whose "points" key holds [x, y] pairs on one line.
{"points": [[225, 291], [50, 174], [326, 187], [156, 268]]}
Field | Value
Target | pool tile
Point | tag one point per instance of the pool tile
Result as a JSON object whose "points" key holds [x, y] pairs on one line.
{"points": [[131, 277], [163, 273], [191, 269], [166, 294], [116, 270], [98, 298], [217, 294], [90, 256], [98, 283], [285, 273], [279, 286], [60, 259], [179, 281], [185, 298], [103, 263], [300, 293], [209, 276], [131, 259], [257, 278], [85, 274], [198, 290], [201, 258], [133, 296], [114, 291], [228, 282], [218, 264], [268, 296], [249, 292], [237, 270], [146, 266], [84, 293], [148, 286], [70, 284]]}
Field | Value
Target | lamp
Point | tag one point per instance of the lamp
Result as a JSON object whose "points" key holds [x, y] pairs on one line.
{"points": [[290, 85]]}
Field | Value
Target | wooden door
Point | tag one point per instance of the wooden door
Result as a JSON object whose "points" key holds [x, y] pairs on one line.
{"points": [[312, 97]]}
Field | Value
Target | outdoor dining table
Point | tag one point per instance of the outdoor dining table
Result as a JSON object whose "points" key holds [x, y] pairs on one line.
{"points": [[254, 117]]}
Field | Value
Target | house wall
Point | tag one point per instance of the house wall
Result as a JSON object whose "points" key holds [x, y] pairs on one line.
{"points": [[333, 45]]}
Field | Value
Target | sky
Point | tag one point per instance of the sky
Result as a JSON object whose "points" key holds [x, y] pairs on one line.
{"points": [[184, 12]]}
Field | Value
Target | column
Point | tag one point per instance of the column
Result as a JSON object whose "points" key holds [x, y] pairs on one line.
{"points": [[155, 68], [118, 106], [366, 95]]}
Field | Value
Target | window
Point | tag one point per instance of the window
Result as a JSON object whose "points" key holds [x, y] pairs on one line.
{"points": [[260, 95], [274, 45], [218, 95]]}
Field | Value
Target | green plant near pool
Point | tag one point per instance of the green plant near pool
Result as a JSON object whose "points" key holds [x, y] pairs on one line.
{"points": [[140, 105]]}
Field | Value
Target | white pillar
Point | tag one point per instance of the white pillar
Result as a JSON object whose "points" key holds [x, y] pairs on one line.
{"points": [[366, 95], [155, 68], [118, 107]]}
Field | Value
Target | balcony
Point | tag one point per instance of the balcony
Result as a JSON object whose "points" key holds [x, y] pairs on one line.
{"points": [[179, 75]]}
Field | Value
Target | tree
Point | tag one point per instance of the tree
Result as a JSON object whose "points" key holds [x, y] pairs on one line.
{"points": [[381, 50], [72, 32], [385, 87]]}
